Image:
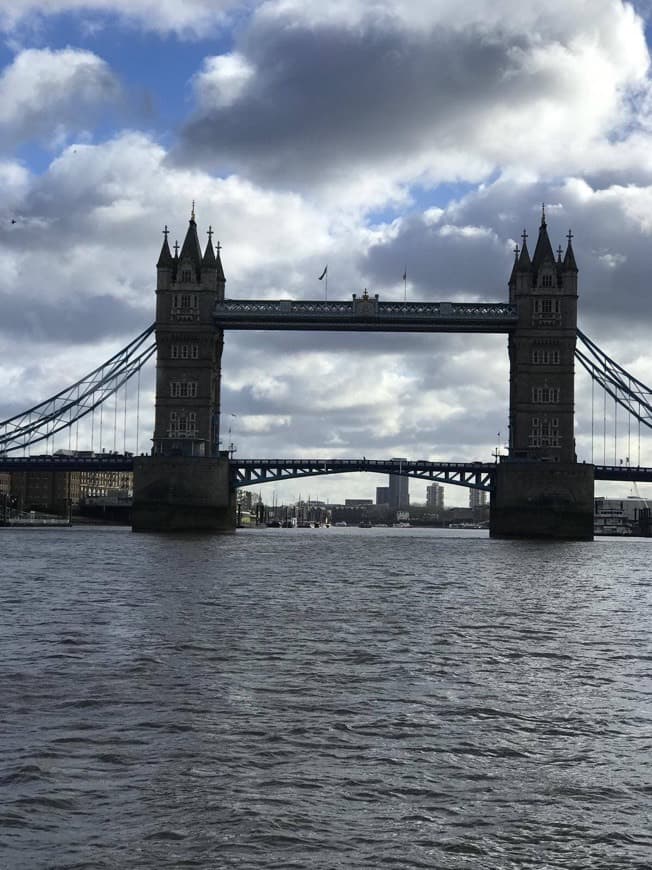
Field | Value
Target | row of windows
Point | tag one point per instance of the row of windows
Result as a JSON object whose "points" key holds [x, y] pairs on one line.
{"points": [[183, 389], [545, 395], [182, 424], [544, 432], [184, 351], [185, 300], [544, 441], [545, 357]]}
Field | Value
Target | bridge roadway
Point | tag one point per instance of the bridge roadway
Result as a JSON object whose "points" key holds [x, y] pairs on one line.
{"points": [[252, 472]]}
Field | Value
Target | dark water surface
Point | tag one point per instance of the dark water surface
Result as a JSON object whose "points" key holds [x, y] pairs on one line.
{"points": [[336, 698]]}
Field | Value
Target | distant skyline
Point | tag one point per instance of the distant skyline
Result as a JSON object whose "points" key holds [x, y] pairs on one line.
{"points": [[381, 139]]}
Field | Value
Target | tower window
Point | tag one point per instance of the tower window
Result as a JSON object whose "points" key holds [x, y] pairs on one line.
{"points": [[546, 310], [543, 356], [185, 306], [544, 432], [186, 275], [182, 424], [545, 395], [183, 389], [184, 351], [546, 280]]}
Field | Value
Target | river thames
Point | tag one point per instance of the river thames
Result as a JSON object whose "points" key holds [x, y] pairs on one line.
{"points": [[324, 698]]}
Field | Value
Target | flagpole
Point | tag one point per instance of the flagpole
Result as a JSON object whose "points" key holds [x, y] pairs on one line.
{"points": [[405, 285], [323, 275]]}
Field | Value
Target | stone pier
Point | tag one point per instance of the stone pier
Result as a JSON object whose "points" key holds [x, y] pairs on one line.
{"points": [[183, 494], [542, 500]]}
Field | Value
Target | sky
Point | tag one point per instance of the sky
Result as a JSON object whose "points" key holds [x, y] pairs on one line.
{"points": [[372, 136]]}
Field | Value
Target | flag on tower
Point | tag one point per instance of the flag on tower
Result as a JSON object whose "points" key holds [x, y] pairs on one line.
{"points": [[324, 273]]}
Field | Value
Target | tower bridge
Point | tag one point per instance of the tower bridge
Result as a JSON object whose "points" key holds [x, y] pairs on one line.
{"points": [[542, 490], [538, 489]]}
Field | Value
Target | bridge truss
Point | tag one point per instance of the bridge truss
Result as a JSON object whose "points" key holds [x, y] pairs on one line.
{"points": [[250, 472]]}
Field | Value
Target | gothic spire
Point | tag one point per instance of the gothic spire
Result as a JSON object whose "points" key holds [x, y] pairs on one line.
{"points": [[218, 266], [543, 251], [165, 260], [209, 261], [524, 263], [569, 259], [512, 277], [191, 249]]}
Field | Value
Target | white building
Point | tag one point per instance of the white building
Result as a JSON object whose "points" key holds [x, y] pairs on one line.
{"points": [[477, 498], [435, 496]]}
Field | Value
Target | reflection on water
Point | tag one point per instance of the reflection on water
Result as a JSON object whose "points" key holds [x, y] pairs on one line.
{"points": [[328, 698]]}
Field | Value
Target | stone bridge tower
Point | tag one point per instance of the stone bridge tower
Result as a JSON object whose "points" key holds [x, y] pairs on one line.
{"points": [[540, 489], [542, 352], [189, 348], [185, 483]]}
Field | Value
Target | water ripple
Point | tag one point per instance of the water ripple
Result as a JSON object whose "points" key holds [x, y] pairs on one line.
{"points": [[324, 701]]}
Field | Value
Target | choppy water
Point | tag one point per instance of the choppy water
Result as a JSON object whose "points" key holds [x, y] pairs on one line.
{"points": [[324, 699]]}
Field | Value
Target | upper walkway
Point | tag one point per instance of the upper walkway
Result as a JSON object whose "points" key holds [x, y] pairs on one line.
{"points": [[366, 314]]}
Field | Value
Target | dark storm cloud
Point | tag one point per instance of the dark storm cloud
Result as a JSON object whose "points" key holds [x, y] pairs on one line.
{"points": [[612, 238], [445, 261], [79, 321], [329, 98]]}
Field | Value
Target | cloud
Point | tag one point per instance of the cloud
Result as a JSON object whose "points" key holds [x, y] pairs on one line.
{"points": [[45, 94], [191, 18], [325, 93]]}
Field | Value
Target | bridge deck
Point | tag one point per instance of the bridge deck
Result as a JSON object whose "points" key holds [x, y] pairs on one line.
{"points": [[366, 314], [249, 472]]}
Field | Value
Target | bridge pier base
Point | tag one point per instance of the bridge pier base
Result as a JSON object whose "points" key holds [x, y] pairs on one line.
{"points": [[542, 500], [183, 494]]}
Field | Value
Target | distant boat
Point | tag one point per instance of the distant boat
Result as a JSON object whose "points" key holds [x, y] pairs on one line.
{"points": [[341, 523], [365, 524]]}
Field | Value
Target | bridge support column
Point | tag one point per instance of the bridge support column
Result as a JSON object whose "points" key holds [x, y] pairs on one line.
{"points": [[542, 500], [183, 494]]}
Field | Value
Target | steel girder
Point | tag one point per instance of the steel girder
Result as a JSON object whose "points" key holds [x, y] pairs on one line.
{"points": [[251, 472], [63, 462]]}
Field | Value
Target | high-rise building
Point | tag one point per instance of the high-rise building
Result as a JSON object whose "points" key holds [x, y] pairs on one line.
{"points": [[399, 489], [382, 495], [435, 496], [477, 498]]}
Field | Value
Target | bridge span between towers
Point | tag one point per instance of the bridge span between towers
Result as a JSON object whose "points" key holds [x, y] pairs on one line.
{"points": [[255, 472]]}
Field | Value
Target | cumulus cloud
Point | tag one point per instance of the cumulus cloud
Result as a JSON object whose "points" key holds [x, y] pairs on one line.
{"points": [[45, 94], [419, 91]]}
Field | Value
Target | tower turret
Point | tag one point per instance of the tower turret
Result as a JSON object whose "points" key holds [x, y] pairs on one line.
{"points": [[165, 266]]}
